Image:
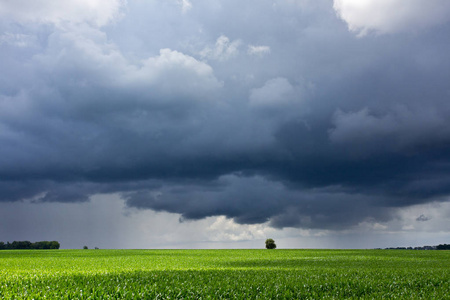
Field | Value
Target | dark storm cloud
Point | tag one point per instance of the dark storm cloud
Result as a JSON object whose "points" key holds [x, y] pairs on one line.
{"points": [[282, 115], [253, 200]]}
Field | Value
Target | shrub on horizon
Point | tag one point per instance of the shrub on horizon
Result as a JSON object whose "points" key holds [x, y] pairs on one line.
{"points": [[270, 244]]}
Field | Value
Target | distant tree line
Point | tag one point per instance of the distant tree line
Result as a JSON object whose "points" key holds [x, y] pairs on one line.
{"points": [[29, 245], [443, 247], [438, 247]]}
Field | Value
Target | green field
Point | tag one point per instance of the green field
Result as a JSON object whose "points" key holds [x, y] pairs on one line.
{"points": [[224, 274]]}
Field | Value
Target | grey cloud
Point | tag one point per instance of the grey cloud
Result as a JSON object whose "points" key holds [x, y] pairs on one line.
{"points": [[422, 218], [17, 190], [231, 197], [71, 193], [402, 129], [18, 39], [326, 131], [254, 199]]}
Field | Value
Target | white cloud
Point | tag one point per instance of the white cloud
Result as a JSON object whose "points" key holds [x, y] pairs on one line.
{"points": [[95, 12], [222, 50], [258, 50], [224, 229], [186, 5], [388, 16], [173, 71], [83, 52], [89, 58]]}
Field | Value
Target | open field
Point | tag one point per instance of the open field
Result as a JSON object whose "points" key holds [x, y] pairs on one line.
{"points": [[235, 274]]}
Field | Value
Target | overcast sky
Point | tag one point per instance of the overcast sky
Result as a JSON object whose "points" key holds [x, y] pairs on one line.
{"points": [[218, 124]]}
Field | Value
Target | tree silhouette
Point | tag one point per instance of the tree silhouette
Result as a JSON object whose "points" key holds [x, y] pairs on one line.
{"points": [[270, 244]]}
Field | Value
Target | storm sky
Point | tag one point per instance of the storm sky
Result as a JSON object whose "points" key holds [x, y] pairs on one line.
{"points": [[218, 124]]}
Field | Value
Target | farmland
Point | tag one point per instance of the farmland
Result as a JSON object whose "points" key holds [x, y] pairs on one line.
{"points": [[226, 274]]}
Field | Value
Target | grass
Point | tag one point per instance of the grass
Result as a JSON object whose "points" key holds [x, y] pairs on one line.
{"points": [[224, 274]]}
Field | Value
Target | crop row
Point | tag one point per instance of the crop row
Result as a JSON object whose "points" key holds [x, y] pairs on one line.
{"points": [[228, 284]]}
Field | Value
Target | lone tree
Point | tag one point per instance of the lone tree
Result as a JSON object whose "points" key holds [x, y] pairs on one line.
{"points": [[270, 244]]}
